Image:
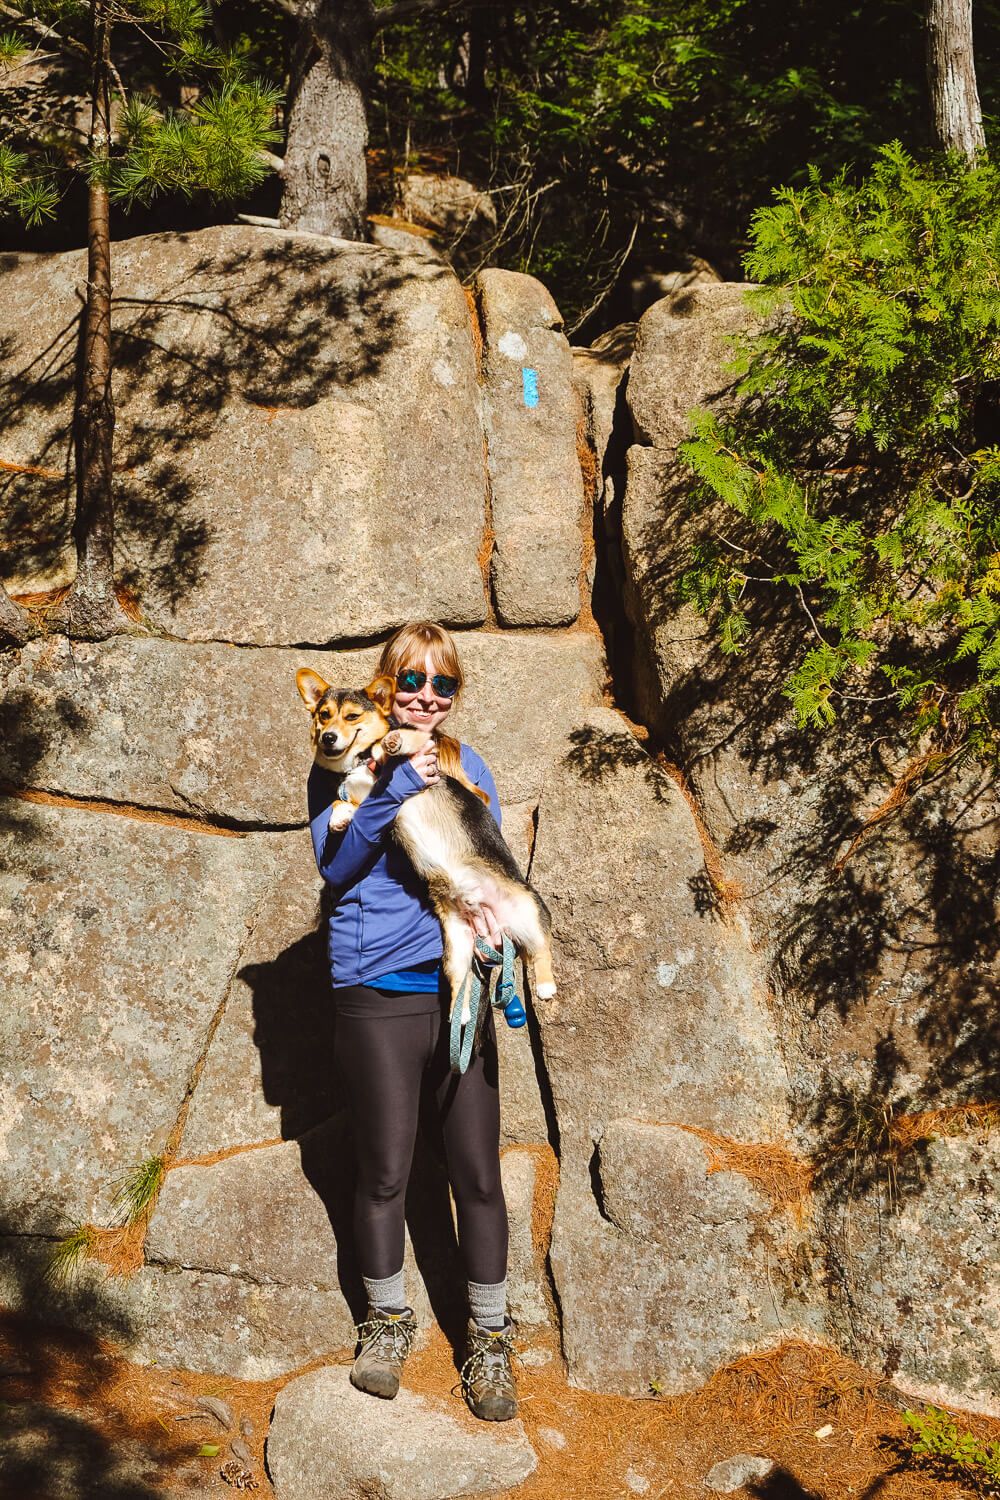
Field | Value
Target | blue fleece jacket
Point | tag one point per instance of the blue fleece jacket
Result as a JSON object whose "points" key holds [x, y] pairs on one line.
{"points": [[382, 919]]}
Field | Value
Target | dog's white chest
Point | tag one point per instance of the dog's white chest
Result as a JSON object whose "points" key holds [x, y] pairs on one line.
{"points": [[432, 838]]}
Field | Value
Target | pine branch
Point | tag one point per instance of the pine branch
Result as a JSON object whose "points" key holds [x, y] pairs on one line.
{"points": [[49, 33]]}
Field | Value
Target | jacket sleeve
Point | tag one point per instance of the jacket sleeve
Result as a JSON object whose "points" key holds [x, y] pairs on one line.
{"points": [[344, 858]]}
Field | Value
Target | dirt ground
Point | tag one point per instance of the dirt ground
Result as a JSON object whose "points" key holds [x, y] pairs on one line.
{"points": [[83, 1423]]}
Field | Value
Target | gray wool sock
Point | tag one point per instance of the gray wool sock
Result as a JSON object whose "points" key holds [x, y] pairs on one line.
{"points": [[488, 1303], [388, 1294]]}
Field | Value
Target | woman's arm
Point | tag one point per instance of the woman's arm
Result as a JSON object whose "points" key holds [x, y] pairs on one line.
{"points": [[343, 858]]}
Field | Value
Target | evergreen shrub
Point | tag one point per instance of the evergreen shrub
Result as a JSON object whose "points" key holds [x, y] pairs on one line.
{"points": [[857, 458]]}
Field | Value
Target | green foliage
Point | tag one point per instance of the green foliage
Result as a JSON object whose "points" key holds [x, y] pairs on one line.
{"points": [[137, 1191], [214, 147], [68, 1255], [215, 144], [599, 120], [33, 198], [952, 1452], [859, 461], [12, 49]]}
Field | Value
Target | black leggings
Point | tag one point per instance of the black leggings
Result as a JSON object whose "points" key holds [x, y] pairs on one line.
{"points": [[383, 1060]]}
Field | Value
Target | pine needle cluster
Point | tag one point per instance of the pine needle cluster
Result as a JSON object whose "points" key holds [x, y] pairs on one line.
{"points": [[217, 144], [858, 465]]}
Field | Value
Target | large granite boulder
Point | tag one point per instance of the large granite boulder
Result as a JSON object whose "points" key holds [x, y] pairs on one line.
{"points": [[876, 934], [119, 939], [706, 1253], [914, 1276], [659, 1022], [331, 1442], [452, 208], [532, 413], [223, 734], [299, 453]]}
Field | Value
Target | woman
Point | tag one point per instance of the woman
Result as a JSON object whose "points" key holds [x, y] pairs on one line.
{"points": [[392, 1032]]}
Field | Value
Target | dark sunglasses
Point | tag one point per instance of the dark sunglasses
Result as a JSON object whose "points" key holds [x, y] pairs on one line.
{"points": [[412, 681]]}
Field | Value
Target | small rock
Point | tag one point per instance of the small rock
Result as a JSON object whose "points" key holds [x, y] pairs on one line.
{"points": [[637, 1483], [242, 1452], [552, 1437], [733, 1473], [330, 1442], [246, 1427], [536, 1357], [216, 1408]]}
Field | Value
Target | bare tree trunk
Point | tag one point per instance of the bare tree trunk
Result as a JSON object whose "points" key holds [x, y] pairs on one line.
{"points": [[325, 176], [92, 607], [951, 74]]}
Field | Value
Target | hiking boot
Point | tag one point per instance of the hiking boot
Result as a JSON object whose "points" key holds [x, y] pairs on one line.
{"points": [[385, 1343], [487, 1377]]}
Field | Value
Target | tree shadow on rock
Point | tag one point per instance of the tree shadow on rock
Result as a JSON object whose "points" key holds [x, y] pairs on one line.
{"points": [[596, 754], [878, 931], [64, 1437], [268, 325], [27, 730]]}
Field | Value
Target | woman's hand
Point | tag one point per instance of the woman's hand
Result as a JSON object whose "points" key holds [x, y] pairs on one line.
{"points": [[486, 924], [425, 762]]}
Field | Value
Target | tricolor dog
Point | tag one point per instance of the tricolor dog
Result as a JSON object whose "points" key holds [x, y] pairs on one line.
{"points": [[446, 830]]}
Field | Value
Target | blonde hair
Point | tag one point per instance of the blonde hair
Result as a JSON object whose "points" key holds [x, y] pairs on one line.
{"points": [[409, 647]]}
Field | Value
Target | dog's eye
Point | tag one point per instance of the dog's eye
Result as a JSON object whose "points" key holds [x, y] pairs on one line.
{"points": [[351, 718]]}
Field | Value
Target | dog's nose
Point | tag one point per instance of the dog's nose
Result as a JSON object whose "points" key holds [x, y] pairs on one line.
{"points": [[328, 741]]}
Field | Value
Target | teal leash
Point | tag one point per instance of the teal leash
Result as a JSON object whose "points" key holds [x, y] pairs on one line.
{"points": [[484, 959]]}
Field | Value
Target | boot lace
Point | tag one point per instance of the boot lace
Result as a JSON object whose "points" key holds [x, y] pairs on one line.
{"points": [[490, 1361], [390, 1338]]}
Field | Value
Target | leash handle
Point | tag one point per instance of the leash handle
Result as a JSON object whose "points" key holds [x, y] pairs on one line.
{"points": [[461, 1037], [506, 998]]}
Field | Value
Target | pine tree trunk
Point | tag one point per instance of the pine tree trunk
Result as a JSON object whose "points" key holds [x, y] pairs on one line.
{"points": [[951, 74], [92, 607], [325, 176]]}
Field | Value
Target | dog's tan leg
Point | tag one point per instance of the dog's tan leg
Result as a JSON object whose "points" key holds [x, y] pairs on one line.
{"points": [[458, 941], [545, 979], [532, 934]]}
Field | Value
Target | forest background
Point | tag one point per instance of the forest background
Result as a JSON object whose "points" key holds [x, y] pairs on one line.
{"points": [[617, 136]]}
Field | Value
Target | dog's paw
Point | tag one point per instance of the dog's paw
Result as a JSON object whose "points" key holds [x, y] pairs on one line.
{"points": [[341, 814], [545, 991]]}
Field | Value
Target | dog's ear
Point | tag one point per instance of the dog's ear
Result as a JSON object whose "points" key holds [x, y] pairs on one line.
{"points": [[311, 686], [382, 691]]}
